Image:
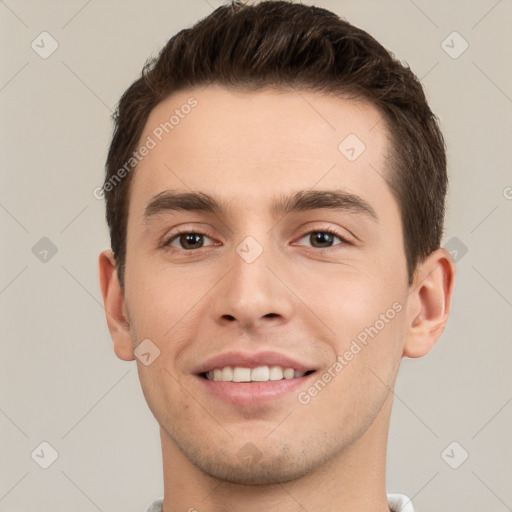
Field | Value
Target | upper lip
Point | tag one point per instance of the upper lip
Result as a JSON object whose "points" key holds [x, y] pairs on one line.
{"points": [[251, 360]]}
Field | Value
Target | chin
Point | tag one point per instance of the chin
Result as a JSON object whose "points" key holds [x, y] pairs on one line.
{"points": [[265, 472], [258, 463]]}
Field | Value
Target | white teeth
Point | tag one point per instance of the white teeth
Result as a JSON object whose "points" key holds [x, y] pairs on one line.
{"points": [[275, 373], [289, 373], [241, 374], [258, 374], [227, 374]]}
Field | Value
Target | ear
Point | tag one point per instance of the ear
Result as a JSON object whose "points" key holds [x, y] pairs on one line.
{"points": [[115, 307], [429, 303]]}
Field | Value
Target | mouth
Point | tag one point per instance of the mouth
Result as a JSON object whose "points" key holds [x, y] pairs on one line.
{"points": [[253, 379], [256, 387], [241, 374]]}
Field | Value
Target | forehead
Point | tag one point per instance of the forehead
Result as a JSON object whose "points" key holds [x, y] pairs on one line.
{"points": [[239, 145]]}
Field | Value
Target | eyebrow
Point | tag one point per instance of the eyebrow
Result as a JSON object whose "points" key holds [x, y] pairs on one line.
{"points": [[303, 200]]}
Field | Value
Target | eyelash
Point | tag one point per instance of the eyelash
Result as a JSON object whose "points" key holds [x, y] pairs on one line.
{"points": [[174, 236]]}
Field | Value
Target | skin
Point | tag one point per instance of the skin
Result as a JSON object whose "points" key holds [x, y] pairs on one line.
{"points": [[295, 298]]}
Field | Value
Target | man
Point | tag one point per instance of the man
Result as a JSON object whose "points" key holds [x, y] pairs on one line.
{"points": [[275, 195]]}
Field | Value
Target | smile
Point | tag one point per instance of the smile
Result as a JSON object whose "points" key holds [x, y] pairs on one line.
{"points": [[257, 374]]}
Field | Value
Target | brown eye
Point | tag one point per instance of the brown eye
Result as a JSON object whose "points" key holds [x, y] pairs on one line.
{"points": [[323, 239], [187, 241]]}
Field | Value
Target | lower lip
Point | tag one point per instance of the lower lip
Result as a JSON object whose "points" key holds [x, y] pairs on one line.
{"points": [[248, 394]]}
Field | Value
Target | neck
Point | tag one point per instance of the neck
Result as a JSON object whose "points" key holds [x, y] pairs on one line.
{"points": [[353, 481]]}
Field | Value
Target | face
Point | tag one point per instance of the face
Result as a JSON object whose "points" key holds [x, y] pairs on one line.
{"points": [[294, 262]]}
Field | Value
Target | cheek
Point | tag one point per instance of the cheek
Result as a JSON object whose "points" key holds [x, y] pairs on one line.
{"points": [[363, 370], [350, 302], [156, 301], [368, 324], [159, 388]]}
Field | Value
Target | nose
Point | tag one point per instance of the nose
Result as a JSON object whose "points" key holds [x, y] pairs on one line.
{"points": [[254, 294]]}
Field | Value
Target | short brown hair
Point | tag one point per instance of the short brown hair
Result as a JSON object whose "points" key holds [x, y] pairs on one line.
{"points": [[283, 45]]}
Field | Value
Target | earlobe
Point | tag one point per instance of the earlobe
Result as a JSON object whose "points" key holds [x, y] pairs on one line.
{"points": [[115, 307], [429, 303]]}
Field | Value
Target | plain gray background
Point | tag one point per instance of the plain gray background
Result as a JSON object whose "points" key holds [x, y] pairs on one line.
{"points": [[61, 382]]}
